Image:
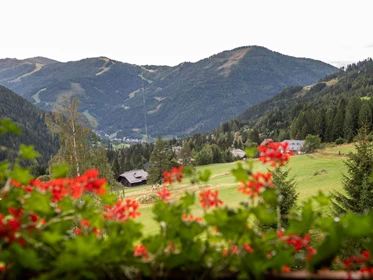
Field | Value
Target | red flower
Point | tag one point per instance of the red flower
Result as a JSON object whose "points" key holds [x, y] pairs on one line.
{"points": [[209, 199], [248, 248], [2, 267], [275, 153], [190, 218], [164, 194], [257, 182], [365, 257], [34, 218], [140, 251], [84, 223], [285, 268], [176, 174], [298, 242], [121, 211], [78, 231]]}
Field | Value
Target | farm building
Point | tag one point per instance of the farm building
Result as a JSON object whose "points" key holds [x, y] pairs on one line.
{"points": [[294, 145], [238, 153], [133, 178], [176, 150]]}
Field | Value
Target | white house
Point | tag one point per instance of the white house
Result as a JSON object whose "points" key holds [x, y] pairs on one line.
{"points": [[238, 153], [294, 145]]}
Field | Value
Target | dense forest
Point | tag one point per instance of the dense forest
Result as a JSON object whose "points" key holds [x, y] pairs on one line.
{"points": [[333, 108], [31, 120]]}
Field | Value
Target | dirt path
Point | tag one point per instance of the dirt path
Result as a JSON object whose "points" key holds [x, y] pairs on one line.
{"points": [[105, 68], [38, 66]]}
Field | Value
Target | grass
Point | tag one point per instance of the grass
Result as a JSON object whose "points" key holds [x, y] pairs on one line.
{"points": [[302, 167]]}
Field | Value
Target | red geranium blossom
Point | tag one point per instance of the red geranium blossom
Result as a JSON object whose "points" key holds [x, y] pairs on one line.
{"points": [[176, 174], [209, 199], [140, 251], [191, 218], [74, 187], [275, 153], [257, 182], [299, 243], [121, 211], [164, 194]]}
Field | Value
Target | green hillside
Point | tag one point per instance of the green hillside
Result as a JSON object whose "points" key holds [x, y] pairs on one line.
{"points": [[31, 121], [335, 107], [176, 101], [321, 171]]}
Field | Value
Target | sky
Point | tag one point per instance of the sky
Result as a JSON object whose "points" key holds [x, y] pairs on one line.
{"points": [[169, 32]]}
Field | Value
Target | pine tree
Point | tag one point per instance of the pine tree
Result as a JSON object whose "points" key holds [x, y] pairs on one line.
{"points": [[351, 118], [158, 162], [357, 184], [365, 115], [286, 189], [185, 155]]}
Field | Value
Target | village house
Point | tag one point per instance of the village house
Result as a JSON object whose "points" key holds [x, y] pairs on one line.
{"points": [[176, 150], [295, 146], [238, 153], [133, 178]]}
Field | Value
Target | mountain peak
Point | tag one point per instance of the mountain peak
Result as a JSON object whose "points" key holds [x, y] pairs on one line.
{"points": [[41, 60]]}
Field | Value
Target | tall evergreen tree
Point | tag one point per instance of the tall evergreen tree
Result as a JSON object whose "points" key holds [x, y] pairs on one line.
{"points": [[357, 184], [185, 156], [351, 119], [286, 190], [365, 115], [159, 162], [338, 125]]}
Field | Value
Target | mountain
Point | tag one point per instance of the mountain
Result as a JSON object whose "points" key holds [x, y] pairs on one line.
{"points": [[31, 121], [335, 107], [126, 100]]}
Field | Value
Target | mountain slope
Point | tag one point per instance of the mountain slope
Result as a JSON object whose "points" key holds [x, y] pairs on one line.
{"points": [[121, 98], [333, 108], [31, 121]]}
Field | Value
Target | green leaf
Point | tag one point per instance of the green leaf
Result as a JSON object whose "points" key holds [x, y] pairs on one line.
{"points": [[240, 173], [328, 249], [27, 257], [60, 171], [264, 215], [52, 237], [303, 225], [28, 152], [322, 199], [357, 226], [205, 176], [39, 203], [7, 126], [187, 200], [270, 197], [20, 174], [250, 152]]}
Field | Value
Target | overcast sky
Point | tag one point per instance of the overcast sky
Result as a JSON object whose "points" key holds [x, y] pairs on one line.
{"points": [[171, 32]]}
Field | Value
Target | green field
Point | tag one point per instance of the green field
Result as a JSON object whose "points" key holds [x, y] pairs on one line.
{"points": [[327, 164]]}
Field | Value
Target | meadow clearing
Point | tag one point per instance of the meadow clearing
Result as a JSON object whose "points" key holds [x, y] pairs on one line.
{"points": [[320, 171]]}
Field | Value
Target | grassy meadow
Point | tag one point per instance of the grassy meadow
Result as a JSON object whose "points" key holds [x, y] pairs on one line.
{"points": [[321, 171]]}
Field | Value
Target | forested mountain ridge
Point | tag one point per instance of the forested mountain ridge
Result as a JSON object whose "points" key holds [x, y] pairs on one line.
{"points": [[121, 98], [333, 108], [31, 121]]}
